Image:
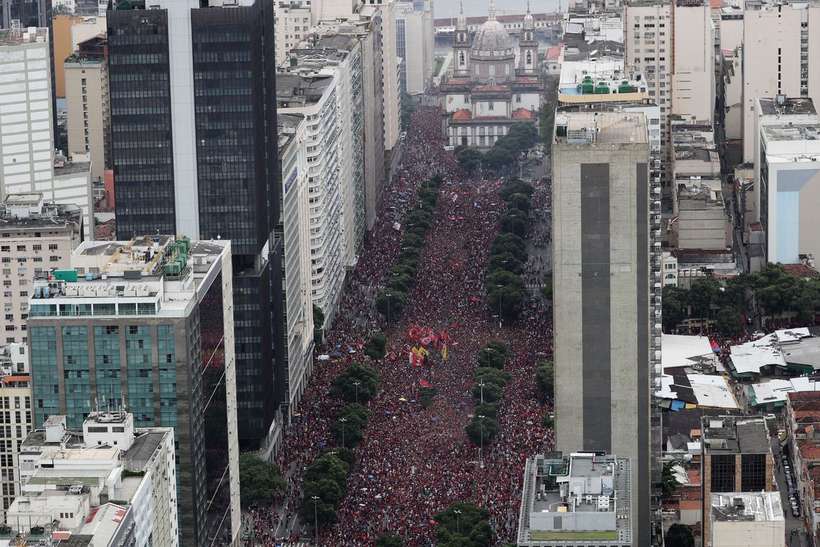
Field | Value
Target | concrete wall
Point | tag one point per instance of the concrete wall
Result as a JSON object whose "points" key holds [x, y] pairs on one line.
{"points": [[693, 81], [749, 534]]}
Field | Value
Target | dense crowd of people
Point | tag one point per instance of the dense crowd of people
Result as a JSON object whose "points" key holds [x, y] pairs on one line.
{"points": [[414, 461]]}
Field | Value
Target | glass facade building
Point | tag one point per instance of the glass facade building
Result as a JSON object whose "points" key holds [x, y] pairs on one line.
{"points": [[194, 153]]}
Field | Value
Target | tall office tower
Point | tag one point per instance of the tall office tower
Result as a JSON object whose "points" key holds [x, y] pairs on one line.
{"points": [[781, 56], [603, 306], [147, 324], [87, 106], [35, 236], [193, 123], [28, 162]]}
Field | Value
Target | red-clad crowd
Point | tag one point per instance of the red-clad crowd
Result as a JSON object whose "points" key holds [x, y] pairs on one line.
{"points": [[413, 461]]}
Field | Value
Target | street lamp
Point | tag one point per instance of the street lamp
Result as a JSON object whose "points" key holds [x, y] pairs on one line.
{"points": [[500, 298], [356, 385], [343, 421], [389, 296], [315, 519], [481, 446], [457, 513], [481, 387]]}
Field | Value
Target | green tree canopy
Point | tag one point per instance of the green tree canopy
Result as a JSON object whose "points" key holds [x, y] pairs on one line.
{"points": [[376, 346], [389, 541], [358, 383], [463, 525], [260, 481], [545, 378], [679, 535]]}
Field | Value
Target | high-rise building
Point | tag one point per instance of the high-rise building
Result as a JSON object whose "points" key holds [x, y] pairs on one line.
{"points": [[88, 120], [781, 56], [36, 236], [193, 121], [147, 324], [125, 491], [28, 161], [603, 305], [737, 457], [413, 47], [69, 32], [29, 13]]}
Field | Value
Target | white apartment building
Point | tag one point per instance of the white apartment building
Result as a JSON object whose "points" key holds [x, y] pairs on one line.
{"points": [[314, 97], [293, 23], [35, 236], [27, 159], [88, 109], [296, 237], [114, 483], [781, 56]]}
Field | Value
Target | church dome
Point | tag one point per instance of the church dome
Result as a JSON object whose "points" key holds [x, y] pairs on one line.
{"points": [[492, 40]]}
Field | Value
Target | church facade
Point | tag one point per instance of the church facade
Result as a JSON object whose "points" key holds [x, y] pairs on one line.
{"points": [[494, 83]]}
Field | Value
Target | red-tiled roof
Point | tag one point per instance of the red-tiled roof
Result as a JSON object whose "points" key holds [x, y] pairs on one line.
{"points": [[490, 88], [553, 53], [522, 114], [800, 270], [462, 114]]}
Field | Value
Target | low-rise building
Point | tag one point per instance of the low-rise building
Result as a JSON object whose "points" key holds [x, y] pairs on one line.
{"points": [[15, 399], [576, 500], [791, 352], [111, 485], [747, 519], [737, 457], [702, 222]]}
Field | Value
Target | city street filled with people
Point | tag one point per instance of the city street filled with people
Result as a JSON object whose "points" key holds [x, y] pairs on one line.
{"points": [[414, 461]]}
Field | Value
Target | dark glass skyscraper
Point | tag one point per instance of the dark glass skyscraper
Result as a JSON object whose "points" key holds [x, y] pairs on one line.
{"points": [[193, 116], [30, 13]]}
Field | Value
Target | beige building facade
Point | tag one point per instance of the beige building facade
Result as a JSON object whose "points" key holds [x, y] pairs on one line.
{"points": [[88, 108]]}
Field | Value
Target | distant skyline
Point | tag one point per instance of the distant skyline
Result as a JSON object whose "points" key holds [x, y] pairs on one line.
{"points": [[449, 8]]}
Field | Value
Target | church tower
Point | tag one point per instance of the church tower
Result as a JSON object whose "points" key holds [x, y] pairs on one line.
{"points": [[528, 47], [461, 46]]}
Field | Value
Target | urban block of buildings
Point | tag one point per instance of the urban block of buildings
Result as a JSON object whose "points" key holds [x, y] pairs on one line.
{"points": [[147, 324]]}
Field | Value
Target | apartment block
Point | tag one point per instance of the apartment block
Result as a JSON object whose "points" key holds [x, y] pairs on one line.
{"points": [[314, 97], [69, 32], [602, 283], [148, 324], [36, 236], [781, 56], [293, 23], [112, 484], [296, 235], [414, 47], [693, 77], [804, 446], [88, 121]]}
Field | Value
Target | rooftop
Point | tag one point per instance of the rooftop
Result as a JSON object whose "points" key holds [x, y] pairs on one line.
{"points": [[735, 435], [30, 210], [601, 80], [30, 35], [588, 128], [295, 89], [594, 488], [792, 132], [747, 507], [150, 275], [786, 106], [798, 348]]}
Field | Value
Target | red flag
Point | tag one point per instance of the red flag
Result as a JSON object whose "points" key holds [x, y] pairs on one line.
{"points": [[424, 383]]}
